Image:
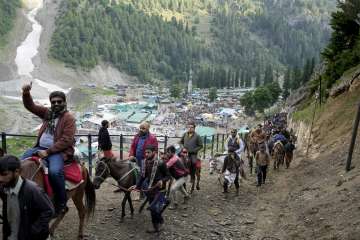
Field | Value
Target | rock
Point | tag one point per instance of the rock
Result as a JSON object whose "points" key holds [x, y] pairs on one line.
{"points": [[184, 215], [198, 225], [248, 222], [263, 209], [215, 232], [339, 183], [313, 210]]}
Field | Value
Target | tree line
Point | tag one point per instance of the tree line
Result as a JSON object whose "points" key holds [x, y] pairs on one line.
{"points": [[247, 49], [7, 15]]}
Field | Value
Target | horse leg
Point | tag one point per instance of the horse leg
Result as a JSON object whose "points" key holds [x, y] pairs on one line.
{"points": [[130, 203], [79, 204], [192, 184], [198, 171], [123, 204], [250, 164], [56, 223]]}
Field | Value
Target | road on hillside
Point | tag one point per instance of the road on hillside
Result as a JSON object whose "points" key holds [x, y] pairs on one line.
{"points": [[255, 214]]}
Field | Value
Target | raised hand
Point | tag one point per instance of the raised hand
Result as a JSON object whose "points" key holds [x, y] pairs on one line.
{"points": [[27, 87]]}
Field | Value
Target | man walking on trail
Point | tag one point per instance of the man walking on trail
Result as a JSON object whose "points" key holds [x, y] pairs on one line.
{"points": [[234, 141], [104, 140], [153, 181], [231, 170], [55, 142], [179, 172], [193, 143], [27, 210], [139, 143], [262, 162]]}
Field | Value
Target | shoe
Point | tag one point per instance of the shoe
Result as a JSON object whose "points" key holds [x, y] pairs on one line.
{"points": [[173, 207], [152, 231]]}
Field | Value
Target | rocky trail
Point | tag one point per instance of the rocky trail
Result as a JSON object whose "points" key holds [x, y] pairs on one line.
{"points": [[257, 213]]}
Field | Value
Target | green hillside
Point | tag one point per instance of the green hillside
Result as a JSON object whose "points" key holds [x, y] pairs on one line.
{"points": [[224, 42], [7, 16]]}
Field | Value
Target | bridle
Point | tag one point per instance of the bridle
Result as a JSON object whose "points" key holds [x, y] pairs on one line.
{"points": [[106, 170]]}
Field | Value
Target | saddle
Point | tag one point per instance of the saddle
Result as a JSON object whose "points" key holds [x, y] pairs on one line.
{"points": [[72, 173]]}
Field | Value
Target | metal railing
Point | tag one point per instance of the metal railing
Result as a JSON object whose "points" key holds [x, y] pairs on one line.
{"points": [[216, 143]]}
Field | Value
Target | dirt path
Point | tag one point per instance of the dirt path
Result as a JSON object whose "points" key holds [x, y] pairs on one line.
{"points": [[255, 214]]}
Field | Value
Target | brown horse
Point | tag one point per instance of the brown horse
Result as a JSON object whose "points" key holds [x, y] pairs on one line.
{"points": [[278, 154], [32, 171], [123, 172], [251, 152]]}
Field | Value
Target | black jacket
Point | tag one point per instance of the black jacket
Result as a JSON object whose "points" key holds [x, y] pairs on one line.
{"points": [[36, 211], [231, 164], [162, 173], [104, 139]]}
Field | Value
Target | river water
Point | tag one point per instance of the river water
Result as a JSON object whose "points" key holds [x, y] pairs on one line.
{"points": [[25, 54]]}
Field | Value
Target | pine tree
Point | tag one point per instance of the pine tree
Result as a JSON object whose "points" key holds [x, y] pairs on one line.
{"points": [[287, 84]]}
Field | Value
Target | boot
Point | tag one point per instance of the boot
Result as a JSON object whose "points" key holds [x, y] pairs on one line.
{"points": [[154, 230]]}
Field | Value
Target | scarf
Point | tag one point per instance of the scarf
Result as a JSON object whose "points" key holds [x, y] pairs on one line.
{"points": [[51, 119]]}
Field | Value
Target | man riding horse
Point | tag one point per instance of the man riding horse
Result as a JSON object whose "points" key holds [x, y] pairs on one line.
{"points": [[55, 141]]}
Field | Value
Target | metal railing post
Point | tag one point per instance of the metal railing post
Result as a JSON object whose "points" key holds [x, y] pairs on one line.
{"points": [[204, 147], [223, 143], [90, 154], [3, 141], [353, 139], [212, 145], [217, 142], [121, 147], [165, 142]]}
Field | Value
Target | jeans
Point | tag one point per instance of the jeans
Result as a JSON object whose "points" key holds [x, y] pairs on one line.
{"points": [[261, 174], [55, 163]]}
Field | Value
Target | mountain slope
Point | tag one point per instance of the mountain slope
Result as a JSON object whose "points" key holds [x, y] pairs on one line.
{"points": [[165, 38]]}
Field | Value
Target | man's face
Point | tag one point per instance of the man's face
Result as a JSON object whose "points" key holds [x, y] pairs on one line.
{"points": [[184, 153], [57, 104], [143, 129], [169, 154], [8, 178], [191, 128], [149, 154], [233, 133]]}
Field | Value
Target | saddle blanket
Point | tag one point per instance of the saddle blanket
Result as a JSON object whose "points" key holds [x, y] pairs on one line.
{"points": [[72, 173]]}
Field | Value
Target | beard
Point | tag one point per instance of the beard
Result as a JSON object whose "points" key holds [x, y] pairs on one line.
{"points": [[11, 183], [57, 108]]}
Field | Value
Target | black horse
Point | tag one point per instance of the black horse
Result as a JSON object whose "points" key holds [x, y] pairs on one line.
{"points": [[123, 172]]}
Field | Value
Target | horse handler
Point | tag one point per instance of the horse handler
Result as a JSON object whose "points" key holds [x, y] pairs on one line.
{"points": [[231, 170], [153, 182]]}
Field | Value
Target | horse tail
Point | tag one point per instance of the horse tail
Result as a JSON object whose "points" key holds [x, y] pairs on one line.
{"points": [[90, 196]]}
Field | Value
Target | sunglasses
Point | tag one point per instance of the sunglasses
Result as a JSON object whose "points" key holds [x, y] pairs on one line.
{"points": [[184, 152], [57, 102]]}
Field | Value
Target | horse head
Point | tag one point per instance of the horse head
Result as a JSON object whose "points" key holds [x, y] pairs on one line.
{"points": [[102, 171]]}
